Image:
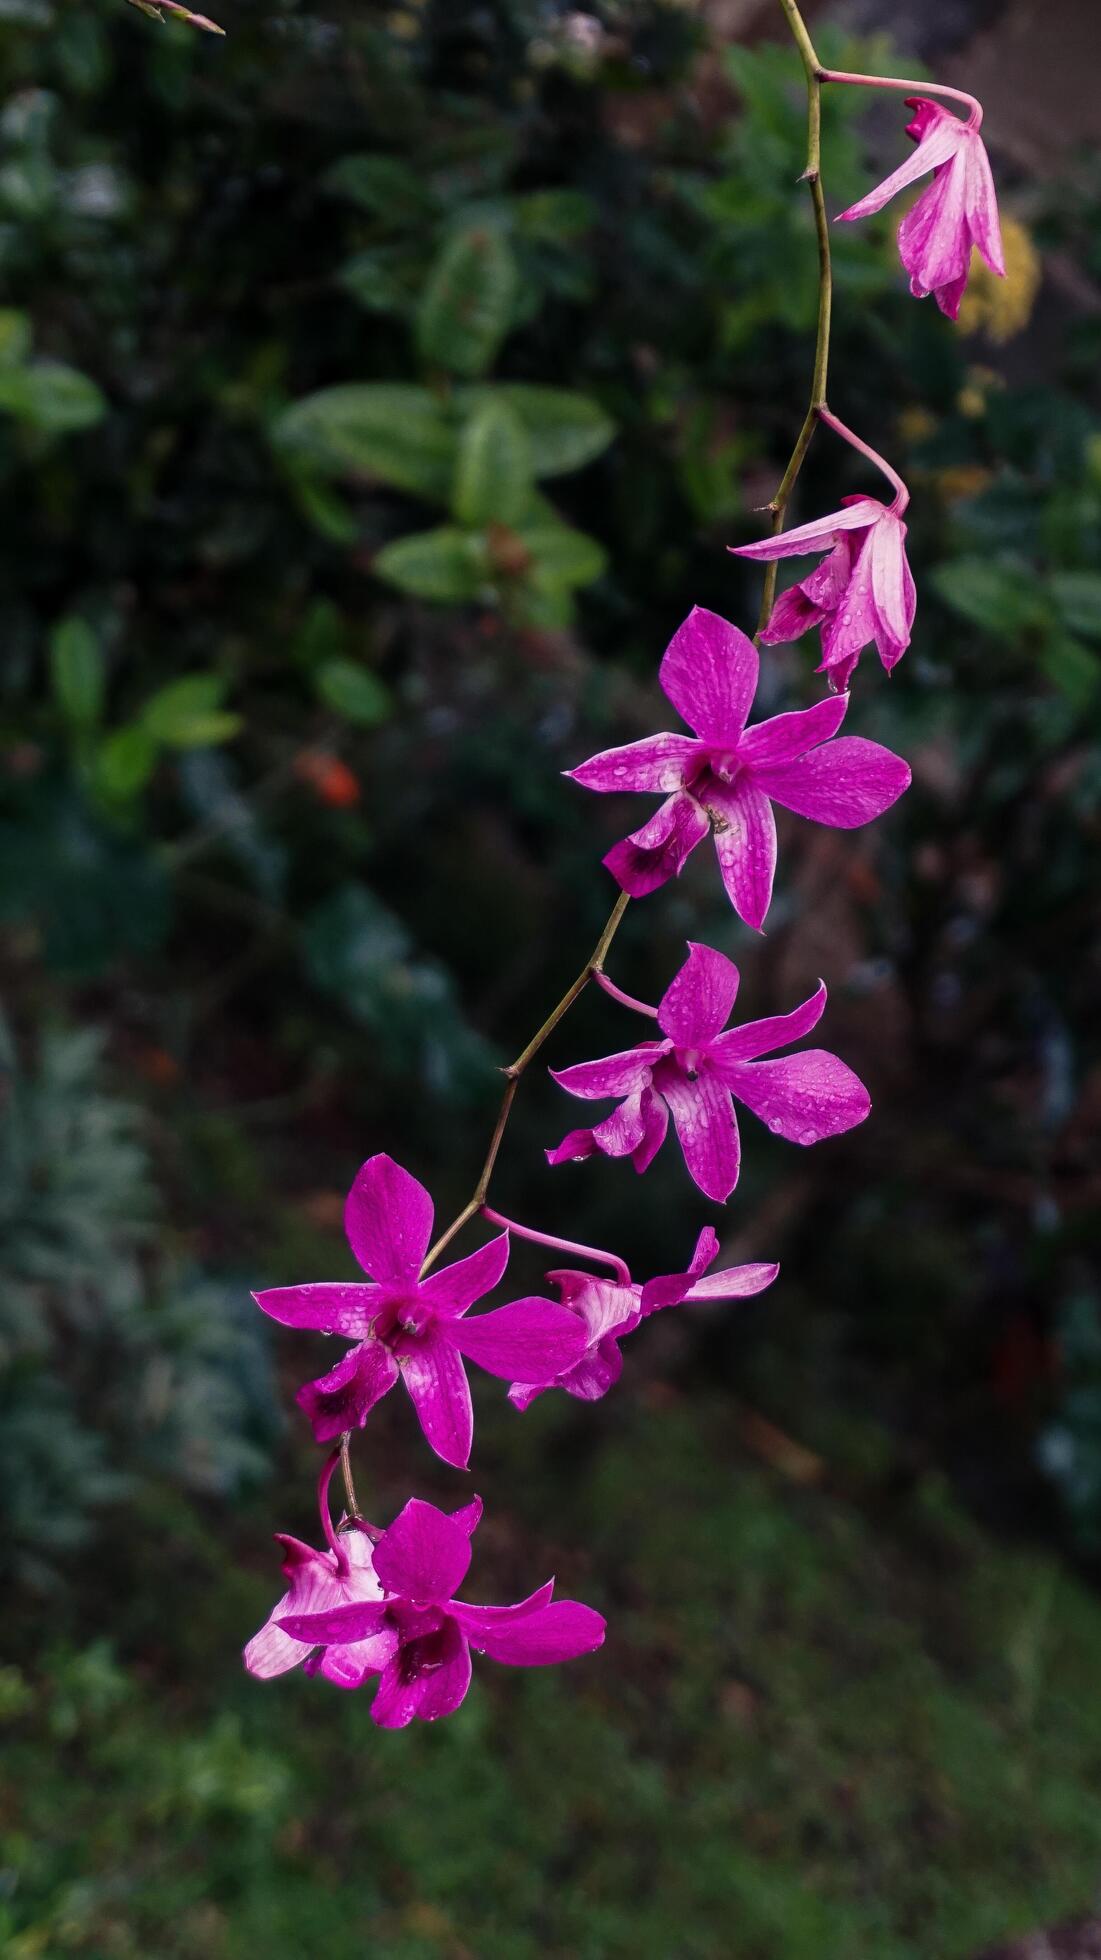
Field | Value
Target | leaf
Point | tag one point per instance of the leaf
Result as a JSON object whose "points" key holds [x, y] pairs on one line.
{"points": [[124, 763], [553, 217], [390, 430], [76, 672], [1074, 669], [447, 564], [565, 430], [381, 280], [51, 397], [467, 305], [384, 186], [186, 713], [562, 557], [15, 337], [1078, 597], [493, 480], [353, 692], [999, 598]]}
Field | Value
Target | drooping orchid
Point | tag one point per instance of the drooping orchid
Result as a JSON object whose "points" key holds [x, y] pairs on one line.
{"points": [[419, 1636], [413, 1328], [726, 777], [612, 1309], [342, 1575], [958, 210], [861, 594], [697, 1072]]}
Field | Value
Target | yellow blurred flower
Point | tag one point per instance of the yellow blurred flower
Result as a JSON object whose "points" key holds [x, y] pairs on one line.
{"points": [[1003, 307]]}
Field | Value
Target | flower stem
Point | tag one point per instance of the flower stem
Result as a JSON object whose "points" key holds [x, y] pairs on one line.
{"points": [[592, 1252], [834, 422], [970, 103], [625, 1000], [324, 1480], [812, 176], [346, 1472], [593, 965]]}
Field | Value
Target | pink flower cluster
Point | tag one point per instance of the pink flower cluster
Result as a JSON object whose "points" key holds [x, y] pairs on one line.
{"points": [[382, 1605]]}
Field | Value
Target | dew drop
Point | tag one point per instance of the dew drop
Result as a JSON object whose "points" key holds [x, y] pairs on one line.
{"points": [[775, 1125], [808, 1136]]}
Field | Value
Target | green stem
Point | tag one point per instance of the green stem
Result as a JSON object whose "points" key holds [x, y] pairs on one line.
{"points": [[812, 176], [593, 965]]}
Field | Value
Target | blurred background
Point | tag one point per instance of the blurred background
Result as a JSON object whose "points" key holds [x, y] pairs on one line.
{"points": [[379, 387]]}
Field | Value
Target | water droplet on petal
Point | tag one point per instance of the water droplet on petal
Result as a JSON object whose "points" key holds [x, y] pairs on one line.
{"points": [[808, 1136], [775, 1125]]}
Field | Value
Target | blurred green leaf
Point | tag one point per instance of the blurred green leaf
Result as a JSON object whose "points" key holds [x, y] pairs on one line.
{"points": [[447, 564], [353, 692], [493, 479], [467, 304], [186, 714], [51, 397], [124, 762], [566, 430], [15, 337], [384, 186], [999, 598], [563, 557], [1078, 597], [1073, 668], [76, 672], [389, 430]]}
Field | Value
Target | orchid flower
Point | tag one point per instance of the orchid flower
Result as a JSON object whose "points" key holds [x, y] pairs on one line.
{"points": [[419, 1636], [861, 594], [959, 208], [697, 1073], [612, 1309], [726, 777], [415, 1328], [342, 1575]]}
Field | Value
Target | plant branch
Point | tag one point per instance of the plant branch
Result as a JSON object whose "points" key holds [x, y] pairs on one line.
{"points": [[593, 965], [812, 176], [970, 102]]}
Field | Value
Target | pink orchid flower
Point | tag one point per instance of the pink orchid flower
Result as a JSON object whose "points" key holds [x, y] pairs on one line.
{"points": [[413, 1328], [862, 594], [420, 1636], [342, 1575], [958, 210], [612, 1309], [698, 1072], [726, 777]]}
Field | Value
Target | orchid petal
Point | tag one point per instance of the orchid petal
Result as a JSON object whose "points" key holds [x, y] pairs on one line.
{"points": [[560, 1632], [818, 535], [699, 999], [531, 1340], [755, 1038], [660, 850], [745, 845], [433, 1373], [388, 1220], [659, 762], [733, 1283], [339, 1626], [476, 1620], [655, 1123], [803, 1097], [793, 615], [344, 1397], [938, 146], [613, 1075], [350, 1666], [669, 1289], [326, 1306], [844, 783], [429, 1695], [787, 736], [452, 1289], [424, 1555], [892, 589], [709, 672], [707, 1131]]}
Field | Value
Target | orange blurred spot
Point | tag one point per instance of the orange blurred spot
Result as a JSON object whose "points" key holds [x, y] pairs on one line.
{"points": [[330, 779]]}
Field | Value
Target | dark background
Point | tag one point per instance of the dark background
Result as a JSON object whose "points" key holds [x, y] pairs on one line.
{"points": [[287, 868]]}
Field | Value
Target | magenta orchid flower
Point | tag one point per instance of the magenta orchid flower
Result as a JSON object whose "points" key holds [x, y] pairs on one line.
{"points": [[726, 777], [415, 1328], [612, 1309], [958, 210], [342, 1575], [419, 1636], [862, 594], [698, 1072]]}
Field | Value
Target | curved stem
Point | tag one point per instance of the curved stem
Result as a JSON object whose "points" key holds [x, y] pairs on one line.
{"points": [[593, 965], [625, 1000], [621, 1270], [812, 176], [324, 1480], [904, 87], [346, 1471], [834, 422]]}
